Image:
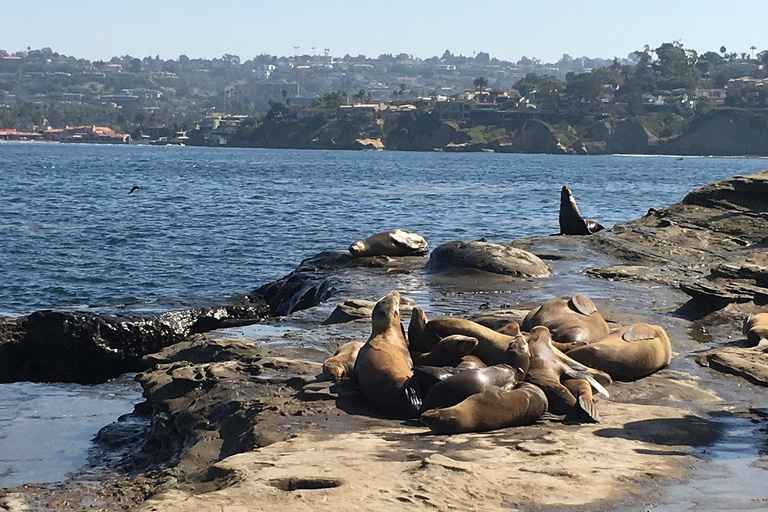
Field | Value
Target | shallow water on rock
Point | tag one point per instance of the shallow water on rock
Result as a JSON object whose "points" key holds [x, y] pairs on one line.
{"points": [[47, 430]]}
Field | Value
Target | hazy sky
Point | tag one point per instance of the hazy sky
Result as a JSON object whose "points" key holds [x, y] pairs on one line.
{"points": [[508, 30]]}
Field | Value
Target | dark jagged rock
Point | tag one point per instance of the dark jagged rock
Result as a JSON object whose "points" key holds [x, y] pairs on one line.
{"points": [[630, 137], [49, 346], [486, 257]]}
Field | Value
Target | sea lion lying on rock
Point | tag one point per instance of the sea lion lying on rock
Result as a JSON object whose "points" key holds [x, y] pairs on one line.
{"points": [[755, 328], [424, 334], [628, 354], [548, 372], [395, 242], [573, 321], [459, 386], [492, 409], [384, 366], [571, 221], [342, 363], [448, 352], [462, 257]]}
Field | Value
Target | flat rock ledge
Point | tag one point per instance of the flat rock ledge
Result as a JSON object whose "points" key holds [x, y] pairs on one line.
{"points": [[480, 255], [749, 363]]}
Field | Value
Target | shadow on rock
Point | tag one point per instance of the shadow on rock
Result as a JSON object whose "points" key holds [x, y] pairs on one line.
{"points": [[689, 430]]}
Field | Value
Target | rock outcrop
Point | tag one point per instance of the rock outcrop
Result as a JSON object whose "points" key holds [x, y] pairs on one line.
{"points": [[725, 132], [82, 347]]}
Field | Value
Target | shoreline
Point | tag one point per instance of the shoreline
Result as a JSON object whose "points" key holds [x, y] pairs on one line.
{"points": [[434, 150], [275, 424]]}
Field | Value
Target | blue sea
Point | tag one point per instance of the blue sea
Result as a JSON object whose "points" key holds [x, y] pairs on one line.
{"points": [[207, 222], [210, 222]]}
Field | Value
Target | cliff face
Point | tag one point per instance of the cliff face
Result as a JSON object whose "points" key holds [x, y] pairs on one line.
{"points": [[727, 132], [534, 137], [629, 137], [420, 132]]}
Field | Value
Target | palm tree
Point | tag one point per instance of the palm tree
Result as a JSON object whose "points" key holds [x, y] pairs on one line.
{"points": [[480, 83], [723, 49], [752, 50]]}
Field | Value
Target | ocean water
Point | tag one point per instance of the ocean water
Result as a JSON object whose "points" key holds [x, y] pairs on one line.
{"points": [[209, 222]]}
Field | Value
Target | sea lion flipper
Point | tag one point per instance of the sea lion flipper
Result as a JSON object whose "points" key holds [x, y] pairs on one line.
{"points": [[584, 407], [412, 397], [582, 304], [639, 332], [592, 381], [594, 227], [745, 325]]}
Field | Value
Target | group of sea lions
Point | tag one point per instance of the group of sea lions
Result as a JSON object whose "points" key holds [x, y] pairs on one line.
{"points": [[459, 376]]}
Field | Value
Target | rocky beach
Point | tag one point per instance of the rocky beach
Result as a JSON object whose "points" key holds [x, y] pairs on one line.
{"points": [[237, 416]]}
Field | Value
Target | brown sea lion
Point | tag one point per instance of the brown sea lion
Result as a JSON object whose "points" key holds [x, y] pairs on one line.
{"points": [[547, 370], [573, 321], [471, 362], [395, 242], [628, 354], [492, 409], [459, 386], [571, 221], [342, 363], [384, 365], [491, 346], [755, 328], [513, 329], [448, 351]]}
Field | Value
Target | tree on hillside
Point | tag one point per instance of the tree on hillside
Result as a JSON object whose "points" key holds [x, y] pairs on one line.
{"points": [[480, 83], [723, 49], [763, 57], [589, 86], [676, 67], [752, 50], [135, 66]]}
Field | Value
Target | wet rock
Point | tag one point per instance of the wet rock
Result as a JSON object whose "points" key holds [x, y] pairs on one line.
{"points": [[315, 280], [87, 348], [486, 257], [359, 309], [749, 363]]}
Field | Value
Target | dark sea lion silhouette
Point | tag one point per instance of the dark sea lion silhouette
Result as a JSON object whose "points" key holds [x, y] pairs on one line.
{"points": [[571, 221]]}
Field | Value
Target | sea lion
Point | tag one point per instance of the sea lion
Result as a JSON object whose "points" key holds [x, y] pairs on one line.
{"points": [[471, 362], [491, 345], [586, 412], [492, 409], [513, 329], [573, 321], [459, 386], [571, 221], [755, 328], [395, 242], [342, 363], [548, 371], [448, 351], [384, 366], [628, 354]]}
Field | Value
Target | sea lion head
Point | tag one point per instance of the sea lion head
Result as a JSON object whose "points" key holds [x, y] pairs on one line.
{"points": [[386, 311], [459, 344], [334, 370], [540, 335], [565, 194], [518, 356], [358, 248]]}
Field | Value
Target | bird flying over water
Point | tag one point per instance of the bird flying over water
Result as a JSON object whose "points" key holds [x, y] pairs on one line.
{"points": [[134, 189]]}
